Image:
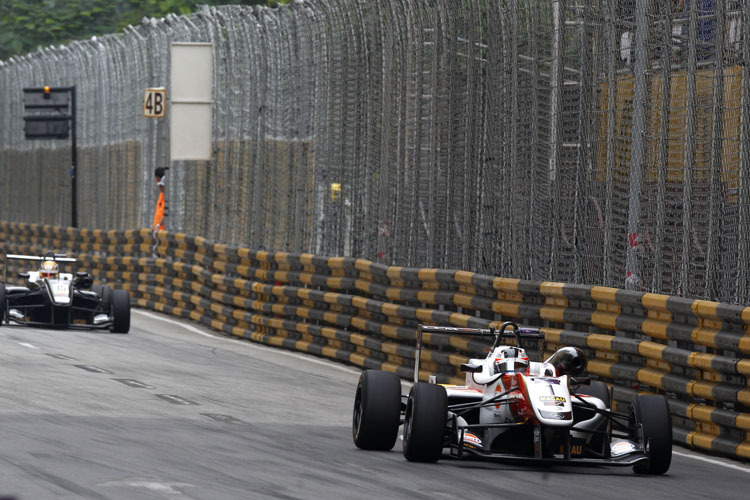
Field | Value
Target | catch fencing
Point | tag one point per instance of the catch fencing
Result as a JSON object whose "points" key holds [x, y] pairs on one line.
{"points": [[365, 314], [582, 141]]}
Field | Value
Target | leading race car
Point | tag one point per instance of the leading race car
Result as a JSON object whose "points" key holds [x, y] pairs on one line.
{"points": [[513, 408], [65, 300]]}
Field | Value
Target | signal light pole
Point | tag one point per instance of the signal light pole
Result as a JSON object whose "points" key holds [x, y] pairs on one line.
{"points": [[58, 100], [73, 160]]}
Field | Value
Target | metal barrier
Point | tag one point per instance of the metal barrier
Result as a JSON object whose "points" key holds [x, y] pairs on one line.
{"points": [[365, 314]]}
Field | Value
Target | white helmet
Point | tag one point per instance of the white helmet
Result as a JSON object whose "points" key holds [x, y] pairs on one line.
{"points": [[510, 359]]}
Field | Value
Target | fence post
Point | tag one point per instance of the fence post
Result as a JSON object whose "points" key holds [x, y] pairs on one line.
{"points": [[637, 152]]}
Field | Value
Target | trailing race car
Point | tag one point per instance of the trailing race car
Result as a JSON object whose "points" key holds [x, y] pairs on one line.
{"points": [[513, 408], [64, 300]]}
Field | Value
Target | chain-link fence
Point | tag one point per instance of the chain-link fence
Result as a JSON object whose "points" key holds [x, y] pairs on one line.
{"points": [[589, 141]]}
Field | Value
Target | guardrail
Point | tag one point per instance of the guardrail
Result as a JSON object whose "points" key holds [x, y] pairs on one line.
{"points": [[365, 314]]}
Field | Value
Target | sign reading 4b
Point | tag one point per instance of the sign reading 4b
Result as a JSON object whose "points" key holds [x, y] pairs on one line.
{"points": [[155, 102]]}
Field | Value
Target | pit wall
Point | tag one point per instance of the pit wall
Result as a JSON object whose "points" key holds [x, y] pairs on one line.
{"points": [[365, 314]]}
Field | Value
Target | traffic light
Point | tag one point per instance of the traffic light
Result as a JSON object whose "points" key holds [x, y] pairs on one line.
{"points": [[46, 97], [48, 112]]}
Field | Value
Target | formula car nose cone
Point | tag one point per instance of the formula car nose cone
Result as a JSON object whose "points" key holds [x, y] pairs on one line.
{"points": [[60, 292]]}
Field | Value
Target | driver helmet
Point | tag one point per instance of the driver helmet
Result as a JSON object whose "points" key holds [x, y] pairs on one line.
{"points": [[510, 359], [49, 269]]}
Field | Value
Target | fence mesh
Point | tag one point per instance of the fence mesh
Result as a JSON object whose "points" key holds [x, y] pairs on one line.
{"points": [[588, 141]]}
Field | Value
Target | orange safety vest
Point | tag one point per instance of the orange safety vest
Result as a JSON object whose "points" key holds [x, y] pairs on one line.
{"points": [[159, 214]]}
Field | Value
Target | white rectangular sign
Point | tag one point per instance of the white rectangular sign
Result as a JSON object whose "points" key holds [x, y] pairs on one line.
{"points": [[190, 131], [191, 76], [192, 72]]}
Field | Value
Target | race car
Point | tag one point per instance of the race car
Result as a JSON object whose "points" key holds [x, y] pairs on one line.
{"points": [[512, 408], [51, 298]]}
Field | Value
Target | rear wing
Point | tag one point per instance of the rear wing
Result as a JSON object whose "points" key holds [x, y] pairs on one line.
{"points": [[517, 332], [57, 257]]}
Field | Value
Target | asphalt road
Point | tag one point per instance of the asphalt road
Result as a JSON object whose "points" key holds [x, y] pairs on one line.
{"points": [[171, 411]]}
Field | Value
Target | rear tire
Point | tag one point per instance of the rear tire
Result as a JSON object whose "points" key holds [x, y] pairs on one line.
{"points": [[120, 311], [377, 410], [424, 426], [651, 413]]}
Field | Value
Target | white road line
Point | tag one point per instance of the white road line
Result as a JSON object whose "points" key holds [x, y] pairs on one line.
{"points": [[30, 346], [167, 489], [712, 461], [250, 344]]}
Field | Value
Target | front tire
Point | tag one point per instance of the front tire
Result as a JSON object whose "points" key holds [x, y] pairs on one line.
{"points": [[600, 442], [651, 414], [377, 410], [105, 294], [424, 427], [120, 311], [599, 390]]}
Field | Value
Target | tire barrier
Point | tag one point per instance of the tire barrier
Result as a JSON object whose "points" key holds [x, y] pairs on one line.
{"points": [[365, 314]]}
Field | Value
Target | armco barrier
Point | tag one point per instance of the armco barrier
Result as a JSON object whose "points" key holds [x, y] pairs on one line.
{"points": [[365, 314]]}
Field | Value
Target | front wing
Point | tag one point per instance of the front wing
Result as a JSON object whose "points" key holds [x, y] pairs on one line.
{"points": [[459, 450], [33, 308], [462, 452]]}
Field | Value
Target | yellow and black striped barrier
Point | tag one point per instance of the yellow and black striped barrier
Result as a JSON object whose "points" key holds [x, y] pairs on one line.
{"points": [[363, 313]]}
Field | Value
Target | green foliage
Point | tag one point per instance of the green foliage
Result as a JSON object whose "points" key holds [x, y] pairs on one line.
{"points": [[26, 25]]}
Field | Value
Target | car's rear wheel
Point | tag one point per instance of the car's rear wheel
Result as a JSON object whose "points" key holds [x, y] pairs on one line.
{"points": [[377, 410], [120, 311], [424, 425], [651, 424], [3, 304], [105, 293]]}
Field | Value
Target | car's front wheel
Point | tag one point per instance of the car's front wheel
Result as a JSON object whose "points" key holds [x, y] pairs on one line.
{"points": [[424, 425], [651, 424], [599, 442], [377, 410], [120, 311], [105, 294]]}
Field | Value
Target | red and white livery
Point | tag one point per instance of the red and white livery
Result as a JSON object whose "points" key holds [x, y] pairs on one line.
{"points": [[513, 408]]}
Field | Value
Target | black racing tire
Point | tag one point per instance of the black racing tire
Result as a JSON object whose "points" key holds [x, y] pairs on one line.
{"points": [[424, 425], [377, 410], [651, 413], [120, 311], [598, 389], [105, 293], [3, 304]]}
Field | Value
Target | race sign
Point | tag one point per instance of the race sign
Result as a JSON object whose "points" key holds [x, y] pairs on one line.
{"points": [[155, 102]]}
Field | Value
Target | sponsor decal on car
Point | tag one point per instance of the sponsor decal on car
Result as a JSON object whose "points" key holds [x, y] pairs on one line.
{"points": [[556, 415], [472, 441], [622, 448], [576, 450], [552, 400]]}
